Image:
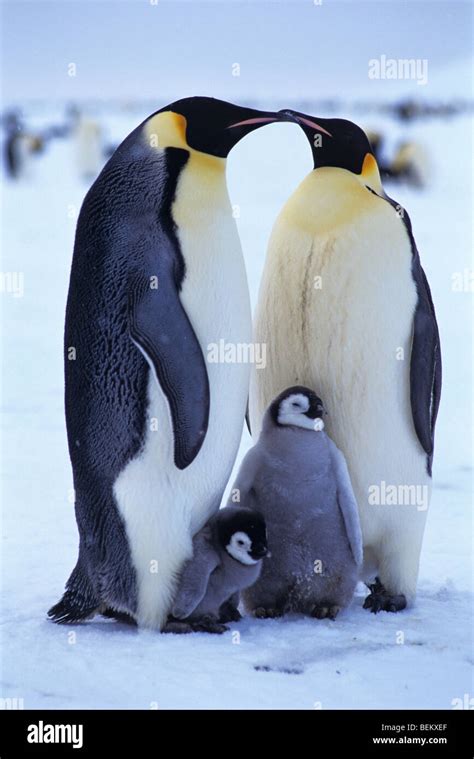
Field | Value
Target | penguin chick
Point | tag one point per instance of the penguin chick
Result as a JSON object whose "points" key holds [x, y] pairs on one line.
{"points": [[227, 557], [297, 479]]}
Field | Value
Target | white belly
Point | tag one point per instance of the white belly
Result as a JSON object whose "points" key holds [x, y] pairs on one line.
{"points": [[162, 506], [350, 341]]}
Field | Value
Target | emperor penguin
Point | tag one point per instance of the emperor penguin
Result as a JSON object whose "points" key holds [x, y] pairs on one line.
{"points": [[89, 149], [153, 426], [345, 306], [297, 479]]}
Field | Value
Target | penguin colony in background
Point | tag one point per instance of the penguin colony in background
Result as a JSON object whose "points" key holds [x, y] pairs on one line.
{"points": [[153, 427]]}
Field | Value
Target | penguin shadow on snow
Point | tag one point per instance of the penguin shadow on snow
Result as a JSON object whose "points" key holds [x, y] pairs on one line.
{"points": [[298, 643], [108, 621], [303, 642]]}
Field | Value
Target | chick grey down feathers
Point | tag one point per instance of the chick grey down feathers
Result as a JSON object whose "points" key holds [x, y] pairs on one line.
{"points": [[298, 480], [211, 581]]}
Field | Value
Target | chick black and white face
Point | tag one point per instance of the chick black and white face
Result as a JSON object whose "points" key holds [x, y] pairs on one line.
{"points": [[298, 407], [240, 548], [243, 535]]}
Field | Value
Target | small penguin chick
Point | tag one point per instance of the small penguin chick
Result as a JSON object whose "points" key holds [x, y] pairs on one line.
{"points": [[298, 480], [227, 558]]}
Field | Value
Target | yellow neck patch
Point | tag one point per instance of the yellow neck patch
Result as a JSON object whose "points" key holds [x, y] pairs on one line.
{"points": [[168, 130], [328, 199], [370, 174]]}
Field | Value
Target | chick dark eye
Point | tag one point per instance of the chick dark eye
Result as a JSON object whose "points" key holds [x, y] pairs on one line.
{"points": [[295, 405], [240, 542]]}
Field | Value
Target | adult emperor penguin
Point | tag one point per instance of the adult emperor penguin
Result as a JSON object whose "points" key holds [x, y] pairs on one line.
{"points": [[345, 306], [153, 427]]}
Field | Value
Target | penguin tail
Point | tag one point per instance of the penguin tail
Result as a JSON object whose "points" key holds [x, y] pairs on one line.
{"points": [[78, 603]]}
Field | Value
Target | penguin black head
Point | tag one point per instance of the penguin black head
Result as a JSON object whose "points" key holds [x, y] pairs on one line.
{"points": [[242, 533], [211, 126], [340, 144], [298, 406]]}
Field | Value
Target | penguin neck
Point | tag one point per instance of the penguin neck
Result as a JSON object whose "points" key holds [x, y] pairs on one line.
{"points": [[328, 197], [201, 188], [291, 445], [202, 180]]}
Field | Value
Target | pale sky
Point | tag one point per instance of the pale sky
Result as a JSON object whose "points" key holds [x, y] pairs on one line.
{"points": [[137, 49]]}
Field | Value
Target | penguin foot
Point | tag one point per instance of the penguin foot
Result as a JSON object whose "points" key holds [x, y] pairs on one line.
{"points": [[380, 600], [325, 612], [209, 624], [177, 627], [261, 613], [229, 613]]}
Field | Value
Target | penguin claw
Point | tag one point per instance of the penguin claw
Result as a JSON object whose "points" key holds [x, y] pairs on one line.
{"points": [[229, 613], [210, 625], [320, 612], [262, 613], [325, 612], [380, 600]]}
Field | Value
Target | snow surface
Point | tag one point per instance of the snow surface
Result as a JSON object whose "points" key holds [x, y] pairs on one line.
{"points": [[293, 663]]}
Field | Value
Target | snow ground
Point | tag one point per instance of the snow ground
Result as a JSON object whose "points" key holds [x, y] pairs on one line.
{"points": [[295, 663]]}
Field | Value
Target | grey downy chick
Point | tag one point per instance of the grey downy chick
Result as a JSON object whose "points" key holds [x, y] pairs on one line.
{"points": [[297, 479], [227, 557]]}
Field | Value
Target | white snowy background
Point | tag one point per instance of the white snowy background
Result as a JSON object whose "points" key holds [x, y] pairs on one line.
{"points": [[293, 663]]}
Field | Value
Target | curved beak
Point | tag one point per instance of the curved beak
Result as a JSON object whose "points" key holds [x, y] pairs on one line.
{"points": [[257, 121], [304, 121]]}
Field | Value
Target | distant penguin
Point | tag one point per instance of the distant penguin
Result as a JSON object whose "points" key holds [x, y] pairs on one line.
{"points": [[88, 139], [227, 558], [345, 306], [297, 479], [410, 165], [20, 147], [153, 427]]}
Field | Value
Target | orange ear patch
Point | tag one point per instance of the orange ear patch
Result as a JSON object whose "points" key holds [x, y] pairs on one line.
{"points": [[370, 173], [166, 130]]}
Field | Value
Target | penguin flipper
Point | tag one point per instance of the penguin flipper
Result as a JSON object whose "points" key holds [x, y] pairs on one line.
{"points": [[195, 575], [425, 361], [425, 365], [161, 329]]}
